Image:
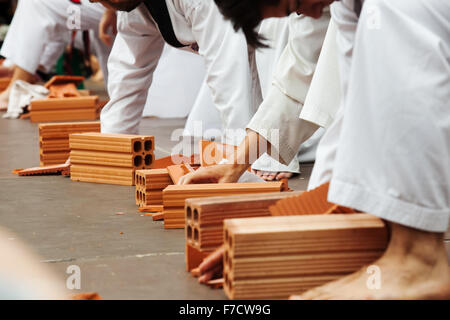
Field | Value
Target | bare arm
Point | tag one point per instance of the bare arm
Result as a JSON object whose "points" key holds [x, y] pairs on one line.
{"points": [[108, 22]]}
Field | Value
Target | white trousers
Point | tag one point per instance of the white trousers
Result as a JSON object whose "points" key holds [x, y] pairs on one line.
{"points": [[393, 138], [39, 32]]}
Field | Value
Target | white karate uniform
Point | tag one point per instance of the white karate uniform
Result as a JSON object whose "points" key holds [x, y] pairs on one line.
{"points": [[276, 33], [203, 121], [177, 81], [138, 47], [393, 148], [38, 33], [277, 119]]}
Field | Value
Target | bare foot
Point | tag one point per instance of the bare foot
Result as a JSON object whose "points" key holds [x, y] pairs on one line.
{"points": [[414, 266], [270, 176]]}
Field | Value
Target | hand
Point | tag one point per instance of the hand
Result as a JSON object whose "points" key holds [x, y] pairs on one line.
{"points": [[108, 21], [221, 173], [212, 266]]}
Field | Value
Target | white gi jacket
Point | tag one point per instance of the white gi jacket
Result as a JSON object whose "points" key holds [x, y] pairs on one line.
{"points": [[280, 110], [392, 141], [138, 47]]}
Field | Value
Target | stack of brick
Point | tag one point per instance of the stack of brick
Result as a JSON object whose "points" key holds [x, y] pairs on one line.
{"points": [[150, 185], [109, 158], [64, 109], [275, 257], [64, 102], [174, 197], [205, 216], [54, 140]]}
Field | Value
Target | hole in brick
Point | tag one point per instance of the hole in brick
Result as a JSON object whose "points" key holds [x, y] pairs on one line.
{"points": [[144, 181], [137, 161], [188, 213], [229, 285], [225, 258], [226, 236], [225, 278], [195, 215], [230, 262], [137, 146], [148, 145], [230, 242], [148, 159], [189, 232], [196, 235]]}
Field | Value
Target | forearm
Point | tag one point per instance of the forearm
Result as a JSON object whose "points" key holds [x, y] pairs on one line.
{"points": [[251, 148]]}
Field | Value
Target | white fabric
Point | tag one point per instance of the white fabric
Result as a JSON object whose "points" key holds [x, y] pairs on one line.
{"points": [[138, 47], [393, 149], [203, 120], [276, 33], [248, 177], [345, 22], [308, 149], [39, 31], [176, 84], [277, 119], [22, 93], [322, 100]]}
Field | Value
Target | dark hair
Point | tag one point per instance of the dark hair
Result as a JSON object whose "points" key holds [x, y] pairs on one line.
{"points": [[246, 14]]}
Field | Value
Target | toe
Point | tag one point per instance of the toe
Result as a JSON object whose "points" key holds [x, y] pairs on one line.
{"points": [[271, 176], [284, 175]]}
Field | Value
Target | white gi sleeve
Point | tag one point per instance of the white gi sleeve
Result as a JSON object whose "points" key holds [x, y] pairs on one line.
{"points": [[324, 94], [292, 77], [131, 64], [227, 63]]}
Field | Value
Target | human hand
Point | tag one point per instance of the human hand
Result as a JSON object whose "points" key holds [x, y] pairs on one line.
{"points": [[221, 173], [108, 21], [212, 266]]}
